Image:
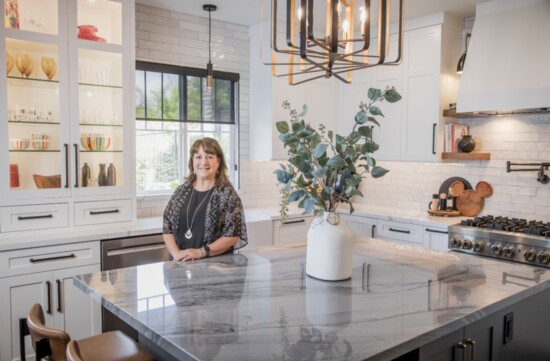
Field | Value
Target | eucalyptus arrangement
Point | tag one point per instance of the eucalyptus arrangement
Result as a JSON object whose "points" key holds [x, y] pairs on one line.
{"points": [[325, 169]]}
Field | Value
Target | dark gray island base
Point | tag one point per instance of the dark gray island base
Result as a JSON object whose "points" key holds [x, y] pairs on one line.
{"points": [[402, 302]]}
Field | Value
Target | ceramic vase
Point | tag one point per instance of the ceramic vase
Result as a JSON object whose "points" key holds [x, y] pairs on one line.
{"points": [[467, 144], [329, 248], [86, 175], [102, 178], [111, 175]]}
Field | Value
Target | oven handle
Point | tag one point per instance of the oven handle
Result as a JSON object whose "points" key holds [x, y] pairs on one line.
{"points": [[134, 249]]}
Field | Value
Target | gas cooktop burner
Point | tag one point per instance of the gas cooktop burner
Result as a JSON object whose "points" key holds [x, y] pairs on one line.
{"points": [[512, 239], [538, 228]]}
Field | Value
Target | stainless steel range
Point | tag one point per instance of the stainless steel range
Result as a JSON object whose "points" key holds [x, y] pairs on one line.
{"points": [[512, 239]]}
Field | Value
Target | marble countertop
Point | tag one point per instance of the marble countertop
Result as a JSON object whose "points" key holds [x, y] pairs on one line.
{"points": [[260, 305]]}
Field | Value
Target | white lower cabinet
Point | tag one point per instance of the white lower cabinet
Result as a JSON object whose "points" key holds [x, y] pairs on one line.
{"points": [[291, 230], [44, 275], [400, 232], [361, 226], [436, 238]]}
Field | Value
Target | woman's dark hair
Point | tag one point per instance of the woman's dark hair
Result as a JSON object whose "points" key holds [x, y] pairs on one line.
{"points": [[210, 146]]}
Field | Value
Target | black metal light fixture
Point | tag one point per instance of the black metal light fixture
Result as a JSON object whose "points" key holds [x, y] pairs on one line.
{"points": [[344, 45], [462, 60], [209, 67]]}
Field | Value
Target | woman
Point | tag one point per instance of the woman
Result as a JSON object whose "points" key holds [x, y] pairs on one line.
{"points": [[204, 216]]}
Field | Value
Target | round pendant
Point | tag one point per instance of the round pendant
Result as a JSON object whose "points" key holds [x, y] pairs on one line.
{"points": [[188, 234]]}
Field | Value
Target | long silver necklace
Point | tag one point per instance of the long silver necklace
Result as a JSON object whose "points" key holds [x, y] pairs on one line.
{"points": [[189, 234]]}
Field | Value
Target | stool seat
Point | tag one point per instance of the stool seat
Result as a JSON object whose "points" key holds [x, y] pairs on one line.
{"points": [[112, 346]]}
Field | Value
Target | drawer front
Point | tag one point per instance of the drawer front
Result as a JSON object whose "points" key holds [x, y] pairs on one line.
{"points": [[87, 213], [292, 230], [397, 231], [41, 259], [40, 216]]}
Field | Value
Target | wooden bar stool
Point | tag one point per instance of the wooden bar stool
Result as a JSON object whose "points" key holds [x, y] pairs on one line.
{"points": [[109, 346]]}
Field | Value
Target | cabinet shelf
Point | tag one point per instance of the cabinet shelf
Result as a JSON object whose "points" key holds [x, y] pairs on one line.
{"points": [[19, 81], [100, 85], [34, 151], [466, 156], [100, 151], [99, 125], [32, 122]]}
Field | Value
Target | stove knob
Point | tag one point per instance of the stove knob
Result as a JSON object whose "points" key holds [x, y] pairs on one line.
{"points": [[467, 244], [478, 247], [509, 252], [544, 257], [496, 249], [530, 255], [456, 242]]}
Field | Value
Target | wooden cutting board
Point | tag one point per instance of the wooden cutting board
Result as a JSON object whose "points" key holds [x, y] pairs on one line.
{"points": [[469, 203]]}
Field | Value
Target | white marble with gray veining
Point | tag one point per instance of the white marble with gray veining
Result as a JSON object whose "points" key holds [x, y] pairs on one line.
{"points": [[259, 305]]}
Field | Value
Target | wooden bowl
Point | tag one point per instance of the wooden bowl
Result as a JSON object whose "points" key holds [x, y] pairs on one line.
{"points": [[47, 181]]}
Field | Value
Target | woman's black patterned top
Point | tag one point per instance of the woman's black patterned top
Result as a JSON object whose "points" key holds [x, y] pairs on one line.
{"points": [[224, 214]]}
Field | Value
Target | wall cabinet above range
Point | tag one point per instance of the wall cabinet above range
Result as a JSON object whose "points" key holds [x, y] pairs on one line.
{"points": [[67, 98]]}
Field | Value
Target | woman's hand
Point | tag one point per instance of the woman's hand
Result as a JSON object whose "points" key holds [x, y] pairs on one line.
{"points": [[188, 254]]}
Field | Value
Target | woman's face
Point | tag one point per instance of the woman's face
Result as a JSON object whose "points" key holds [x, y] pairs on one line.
{"points": [[205, 165]]}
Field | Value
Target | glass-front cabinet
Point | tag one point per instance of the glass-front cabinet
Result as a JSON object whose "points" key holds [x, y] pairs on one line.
{"points": [[67, 124]]}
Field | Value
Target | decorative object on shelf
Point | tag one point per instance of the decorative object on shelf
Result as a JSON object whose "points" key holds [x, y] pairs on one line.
{"points": [[466, 144], [47, 181], [325, 169], [11, 14], [462, 60], [39, 136], [102, 178], [22, 62], [9, 62], [334, 53], [111, 175], [95, 141], [209, 67], [440, 213], [49, 66], [14, 176], [453, 133], [542, 166], [19, 143], [470, 202], [40, 144], [434, 204], [88, 32], [29, 68], [86, 175]]}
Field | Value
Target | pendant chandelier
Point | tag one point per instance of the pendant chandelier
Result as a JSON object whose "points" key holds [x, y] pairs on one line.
{"points": [[209, 67], [342, 48]]}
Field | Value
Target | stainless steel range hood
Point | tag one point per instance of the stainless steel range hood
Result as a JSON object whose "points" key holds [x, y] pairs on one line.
{"points": [[507, 66]]}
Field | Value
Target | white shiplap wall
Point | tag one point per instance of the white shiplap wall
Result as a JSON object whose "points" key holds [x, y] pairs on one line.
{"points": [[166, 36]]}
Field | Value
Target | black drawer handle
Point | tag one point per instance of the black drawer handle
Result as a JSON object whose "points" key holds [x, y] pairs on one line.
{"points": [[372, 230], [94, 213], [436, 231], [37, 260], [26, 218], [399, 230], [58, 295], [292, 222], [49, 286], [433, 139]]}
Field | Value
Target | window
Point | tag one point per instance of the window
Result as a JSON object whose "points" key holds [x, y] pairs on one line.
{"points": [[173, 109]]}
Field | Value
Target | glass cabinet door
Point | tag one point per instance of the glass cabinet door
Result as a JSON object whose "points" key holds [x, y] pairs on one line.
{"points": [[39, 16]]}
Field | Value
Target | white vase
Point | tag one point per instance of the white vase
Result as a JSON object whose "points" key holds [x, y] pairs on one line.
{"points": [[329, 249]]}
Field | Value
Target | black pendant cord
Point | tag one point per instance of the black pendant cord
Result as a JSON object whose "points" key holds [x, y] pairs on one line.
{"points": [[209, 34]]}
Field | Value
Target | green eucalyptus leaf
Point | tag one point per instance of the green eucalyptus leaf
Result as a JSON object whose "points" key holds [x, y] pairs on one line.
{"points": [[296, 195], [304, 111], [361, 117], [282, 127], [308, 204], [378, 172], [336, 161], [330, 135], [374, 110], [392, 96], [370, 147], [374, 93], [354, 137], [319, 172], [283, 176], [320, 149], [365, 131], [373, 120]]}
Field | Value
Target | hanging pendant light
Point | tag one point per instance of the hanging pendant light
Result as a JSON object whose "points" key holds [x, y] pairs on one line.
{"points": [[344, 45], [462, 60], [209, 67]]}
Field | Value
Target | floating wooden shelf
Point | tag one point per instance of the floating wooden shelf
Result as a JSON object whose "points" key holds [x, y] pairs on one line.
{"points": [[454, 114], [466, 156]]}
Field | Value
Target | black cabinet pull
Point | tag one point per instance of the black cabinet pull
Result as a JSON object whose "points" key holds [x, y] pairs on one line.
{"points": [[372, 231], [436, 231], [49, 287], [76, 159], [66, 165], [292, 222], [433, 139], [472, 343], [26, 218], [58, 295], [461, 345], [94, 213], [37, 260], [399, 230]]}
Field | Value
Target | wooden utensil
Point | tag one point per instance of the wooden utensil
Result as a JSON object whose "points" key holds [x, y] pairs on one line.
{"points": [[470, 202]]}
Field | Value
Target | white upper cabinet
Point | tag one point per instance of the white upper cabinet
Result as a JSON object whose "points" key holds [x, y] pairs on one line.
{"points": [[67, 101]]}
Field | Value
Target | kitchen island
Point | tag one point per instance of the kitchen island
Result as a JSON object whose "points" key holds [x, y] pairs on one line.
{"points": [[402, 302]]}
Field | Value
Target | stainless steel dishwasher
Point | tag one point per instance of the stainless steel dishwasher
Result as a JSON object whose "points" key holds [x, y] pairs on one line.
{"points": [[129, 252]]}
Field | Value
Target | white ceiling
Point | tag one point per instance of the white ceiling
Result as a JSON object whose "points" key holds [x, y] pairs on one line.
{"points": [[247, 12]]}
